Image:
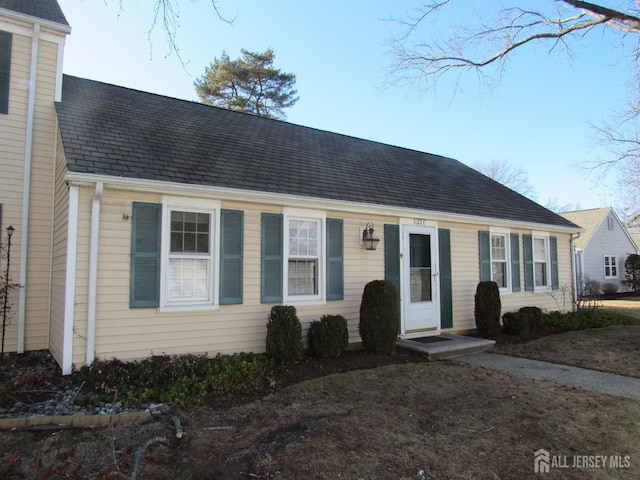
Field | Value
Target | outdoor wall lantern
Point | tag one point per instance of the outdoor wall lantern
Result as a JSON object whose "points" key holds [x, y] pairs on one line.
{"points": [[369, 237], [10, 230]]}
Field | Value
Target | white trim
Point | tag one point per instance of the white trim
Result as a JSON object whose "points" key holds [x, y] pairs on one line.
{"points": [[59, 72], [26, 187], [94, 245], [70, 282], [547, 254], [28, 19], [506, 233], [301, 214], [202, 191], [604, 267], [212, 208]]}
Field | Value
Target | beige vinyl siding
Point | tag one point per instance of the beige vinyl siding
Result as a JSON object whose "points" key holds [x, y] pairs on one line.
{"points": [[129, 334], [59, 251], [465, 266], [135, 333], [12, 138]]}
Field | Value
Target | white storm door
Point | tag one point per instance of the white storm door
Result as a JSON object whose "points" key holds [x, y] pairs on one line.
{"points": [[420, 310]]}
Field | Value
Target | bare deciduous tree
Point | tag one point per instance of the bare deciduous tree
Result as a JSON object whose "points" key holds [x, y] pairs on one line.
{"points": [[506, 173], [484, 46]]}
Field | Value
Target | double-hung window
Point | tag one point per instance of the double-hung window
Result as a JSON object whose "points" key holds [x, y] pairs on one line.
{"points": [[610, 266], [188, 266], [304, 253], [500, 260], [541, 261]]}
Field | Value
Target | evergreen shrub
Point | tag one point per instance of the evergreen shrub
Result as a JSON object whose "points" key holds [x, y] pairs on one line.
{"points": [[487, 309], [329, 336], [380, 317], [284, 335]]}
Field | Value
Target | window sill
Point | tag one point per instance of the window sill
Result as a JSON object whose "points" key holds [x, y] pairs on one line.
{"points": [[305, 301], [189, 308]]}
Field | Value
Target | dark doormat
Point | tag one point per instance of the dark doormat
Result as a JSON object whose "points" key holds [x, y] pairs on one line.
{"points": [[433, 339]]}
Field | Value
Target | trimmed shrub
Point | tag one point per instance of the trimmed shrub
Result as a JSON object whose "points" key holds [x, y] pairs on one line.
{"points": [[523, 321], [329, 336], [588, 318], [379, 317], [487, 309], [609, 288], [534, 314], [284, 335], [516, 323], [592, 288]]}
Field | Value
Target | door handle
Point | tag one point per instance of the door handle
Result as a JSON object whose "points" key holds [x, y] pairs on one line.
{"points": [[436, 274]]}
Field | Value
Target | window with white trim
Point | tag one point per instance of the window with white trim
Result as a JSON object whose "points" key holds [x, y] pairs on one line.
{"points": [[304, 259], [188, 253], [500, 260], [541, 262], [610, 266]]}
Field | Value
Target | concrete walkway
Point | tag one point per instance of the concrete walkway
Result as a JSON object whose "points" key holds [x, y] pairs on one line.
{"points": [[593, 380]]}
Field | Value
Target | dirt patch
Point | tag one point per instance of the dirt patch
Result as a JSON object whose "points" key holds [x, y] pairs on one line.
{"points": [[628, 305]]}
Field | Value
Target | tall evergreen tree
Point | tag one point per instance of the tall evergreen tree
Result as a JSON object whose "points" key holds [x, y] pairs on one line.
{"points": [[249, 84]]}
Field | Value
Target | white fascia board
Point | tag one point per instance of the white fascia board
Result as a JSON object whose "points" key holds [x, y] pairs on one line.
{"points": [[315, 203], [15, 23]]}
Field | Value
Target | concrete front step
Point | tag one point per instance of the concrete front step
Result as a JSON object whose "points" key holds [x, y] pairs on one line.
{"points": [[447, 345]]}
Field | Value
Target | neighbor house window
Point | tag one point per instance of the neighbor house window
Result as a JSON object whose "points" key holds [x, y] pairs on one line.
{"points": [[541, 261], [499, 259], [5, 65], [303, 262], [610, 266]]}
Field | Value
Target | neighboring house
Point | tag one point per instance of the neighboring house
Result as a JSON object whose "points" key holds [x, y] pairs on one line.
{"points": [[635, 236], [602, 248], [176, 226]]}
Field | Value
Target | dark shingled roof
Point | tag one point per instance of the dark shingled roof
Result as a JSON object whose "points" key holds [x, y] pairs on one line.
{"points": [[44, 9], [111, 130]]}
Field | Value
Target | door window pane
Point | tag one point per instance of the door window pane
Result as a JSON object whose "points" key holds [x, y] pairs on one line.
{"points": [[420, 267]]}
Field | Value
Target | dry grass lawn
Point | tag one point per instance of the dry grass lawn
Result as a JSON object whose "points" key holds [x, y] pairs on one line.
{"points": [[439, 420]]}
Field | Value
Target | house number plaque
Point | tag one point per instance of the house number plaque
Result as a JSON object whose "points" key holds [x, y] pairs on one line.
{"points": [[419, 221]]}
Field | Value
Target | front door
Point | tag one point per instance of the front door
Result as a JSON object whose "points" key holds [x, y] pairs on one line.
{"points": [[420, 310]]}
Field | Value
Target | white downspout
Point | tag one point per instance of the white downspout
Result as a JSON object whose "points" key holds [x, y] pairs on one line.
{"points": [[93, 272], [70, 283], [574, 258], [26, 187]]}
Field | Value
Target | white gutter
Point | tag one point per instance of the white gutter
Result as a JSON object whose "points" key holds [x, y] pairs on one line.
{"points": [[70, 282], [93, 272], [206, 191], [26, 187]]}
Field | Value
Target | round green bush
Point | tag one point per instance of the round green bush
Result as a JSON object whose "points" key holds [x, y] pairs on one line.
{"points": [[284, 335], [487, 309], [380, 317], [329, 337]]}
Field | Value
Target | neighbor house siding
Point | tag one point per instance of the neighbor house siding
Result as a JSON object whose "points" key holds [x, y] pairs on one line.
{"points": [[12, 156], [607, 242]]}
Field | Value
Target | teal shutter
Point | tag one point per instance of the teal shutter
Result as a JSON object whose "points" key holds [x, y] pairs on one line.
{"points": [[527, 249], [335, 259], [271, 290], [145, 255], [5, 66], [446, 288], [231, 249], [515, 262], [553, 254], [484, 247], [392, 254]]}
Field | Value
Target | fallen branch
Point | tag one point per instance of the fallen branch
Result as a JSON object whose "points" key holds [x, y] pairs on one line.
{"points": [[141, 449]]}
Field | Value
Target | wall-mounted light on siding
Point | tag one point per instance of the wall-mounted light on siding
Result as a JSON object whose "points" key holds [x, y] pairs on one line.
{"points": [[369, 237]]}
